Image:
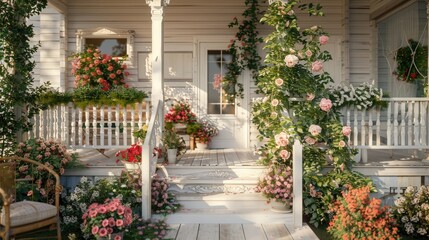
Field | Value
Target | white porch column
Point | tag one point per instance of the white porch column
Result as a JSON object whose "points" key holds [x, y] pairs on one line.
{"points": [[157, 11]]}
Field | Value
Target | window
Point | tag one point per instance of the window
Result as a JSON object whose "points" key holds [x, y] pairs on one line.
{"points": [[116, 47], [217, 102]]}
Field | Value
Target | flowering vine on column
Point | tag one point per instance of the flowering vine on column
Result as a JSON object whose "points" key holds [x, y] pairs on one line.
{"points": [[299, 105]]}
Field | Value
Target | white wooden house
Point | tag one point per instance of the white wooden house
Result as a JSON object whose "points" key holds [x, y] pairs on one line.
{"points": [[364, 35]]}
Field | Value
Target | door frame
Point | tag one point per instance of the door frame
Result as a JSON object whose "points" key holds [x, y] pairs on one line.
{"points": [[242, 106]]}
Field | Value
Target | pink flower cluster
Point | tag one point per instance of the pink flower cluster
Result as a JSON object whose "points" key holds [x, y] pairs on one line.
{"points": [[180, 113], [110, 217], [217, 81], [94, 69], [282, 139], [277, 183]]}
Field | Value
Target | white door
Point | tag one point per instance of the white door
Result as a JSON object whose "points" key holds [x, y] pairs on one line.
{"points": [[231, 119]]}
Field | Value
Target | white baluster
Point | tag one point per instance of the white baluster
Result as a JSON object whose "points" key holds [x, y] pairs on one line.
{"points": [[125, 127], [66, 127], [416, 116], [348, 123], [395, 124], [355, 128], [363, 128], [102, 126], [402, 131], [423, 119], [148, 112], [94, 126], [87, 128], [370, 143], [140, 106], [109, 126], [73, 125], [80, 126], [389, 124], [117, 126], [410, 117], [133, 109], [378, 126]]}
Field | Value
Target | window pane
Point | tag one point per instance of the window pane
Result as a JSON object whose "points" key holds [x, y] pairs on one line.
{"points": [[116, 47], [216, 69]]}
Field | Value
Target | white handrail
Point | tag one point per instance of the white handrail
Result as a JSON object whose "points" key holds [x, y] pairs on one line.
{"points": [[149, 159]]}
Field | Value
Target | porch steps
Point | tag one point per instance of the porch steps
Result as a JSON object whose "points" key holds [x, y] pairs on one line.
{"points": [[219, 194]]}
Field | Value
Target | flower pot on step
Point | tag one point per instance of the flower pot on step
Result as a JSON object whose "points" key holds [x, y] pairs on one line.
{"points": [[172, 155]]}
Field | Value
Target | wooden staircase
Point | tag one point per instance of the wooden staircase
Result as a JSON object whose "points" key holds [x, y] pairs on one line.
{"points": [[219, 188]]}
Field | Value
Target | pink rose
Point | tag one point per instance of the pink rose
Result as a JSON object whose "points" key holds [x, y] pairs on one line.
{"points": [[285, 154], [117, 237], [310, 140], [342, 144], [315, 130], [102, 209], [309, 97], [94, 230], [325, 104], [111, 222], [30, 193], [291, 60], [279, 82], [308, 53], [317, 66], [346, 131], [282, 139], [323, 39]]}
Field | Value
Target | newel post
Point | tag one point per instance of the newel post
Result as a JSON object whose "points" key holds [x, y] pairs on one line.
{"points": [[157, 12], [297, 171]]}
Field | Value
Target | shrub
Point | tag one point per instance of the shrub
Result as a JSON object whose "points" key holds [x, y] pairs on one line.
{"points": [[356, 216], [277, 183], [412, 211]]}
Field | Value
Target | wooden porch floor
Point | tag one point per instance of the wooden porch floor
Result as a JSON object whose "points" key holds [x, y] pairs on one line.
{"points": [[249, 231], [218, 157]]}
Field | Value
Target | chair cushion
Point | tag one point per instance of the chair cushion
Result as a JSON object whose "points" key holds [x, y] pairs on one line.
{"points": [[25, 212]]}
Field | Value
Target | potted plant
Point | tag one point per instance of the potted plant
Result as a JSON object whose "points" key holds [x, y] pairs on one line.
{"points": [[277, 186], [130, 157], [174, 144], [179, 115], [108, 220], [192, 130], [205, 133]]}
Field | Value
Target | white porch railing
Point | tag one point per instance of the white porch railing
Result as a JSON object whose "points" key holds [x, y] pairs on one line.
{"points": [[402, 125], [92, 127], [149, 158]]}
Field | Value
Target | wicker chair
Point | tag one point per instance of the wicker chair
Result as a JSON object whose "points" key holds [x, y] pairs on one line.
{"points": [[27, 215]]}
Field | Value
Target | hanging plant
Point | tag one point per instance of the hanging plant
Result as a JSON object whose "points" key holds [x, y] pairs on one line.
{"points": [[412, 62], [244, 50]]}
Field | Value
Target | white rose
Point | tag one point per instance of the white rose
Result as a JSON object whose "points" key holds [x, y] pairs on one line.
{"points": [[291, 60]]}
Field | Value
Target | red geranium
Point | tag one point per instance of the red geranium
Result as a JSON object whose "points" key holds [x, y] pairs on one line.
{"points": [[180, 113], [132, 154]]}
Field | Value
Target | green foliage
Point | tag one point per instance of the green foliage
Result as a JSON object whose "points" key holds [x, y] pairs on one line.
{"points": [[17, 96], [244, 50], [299, 105], [125, 187], [172, 140], [412, 62], [92, 96]]}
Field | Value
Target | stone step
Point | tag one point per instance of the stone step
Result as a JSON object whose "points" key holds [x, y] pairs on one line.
{"points": [[221, 200], [237, 215], [212, 172]]}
